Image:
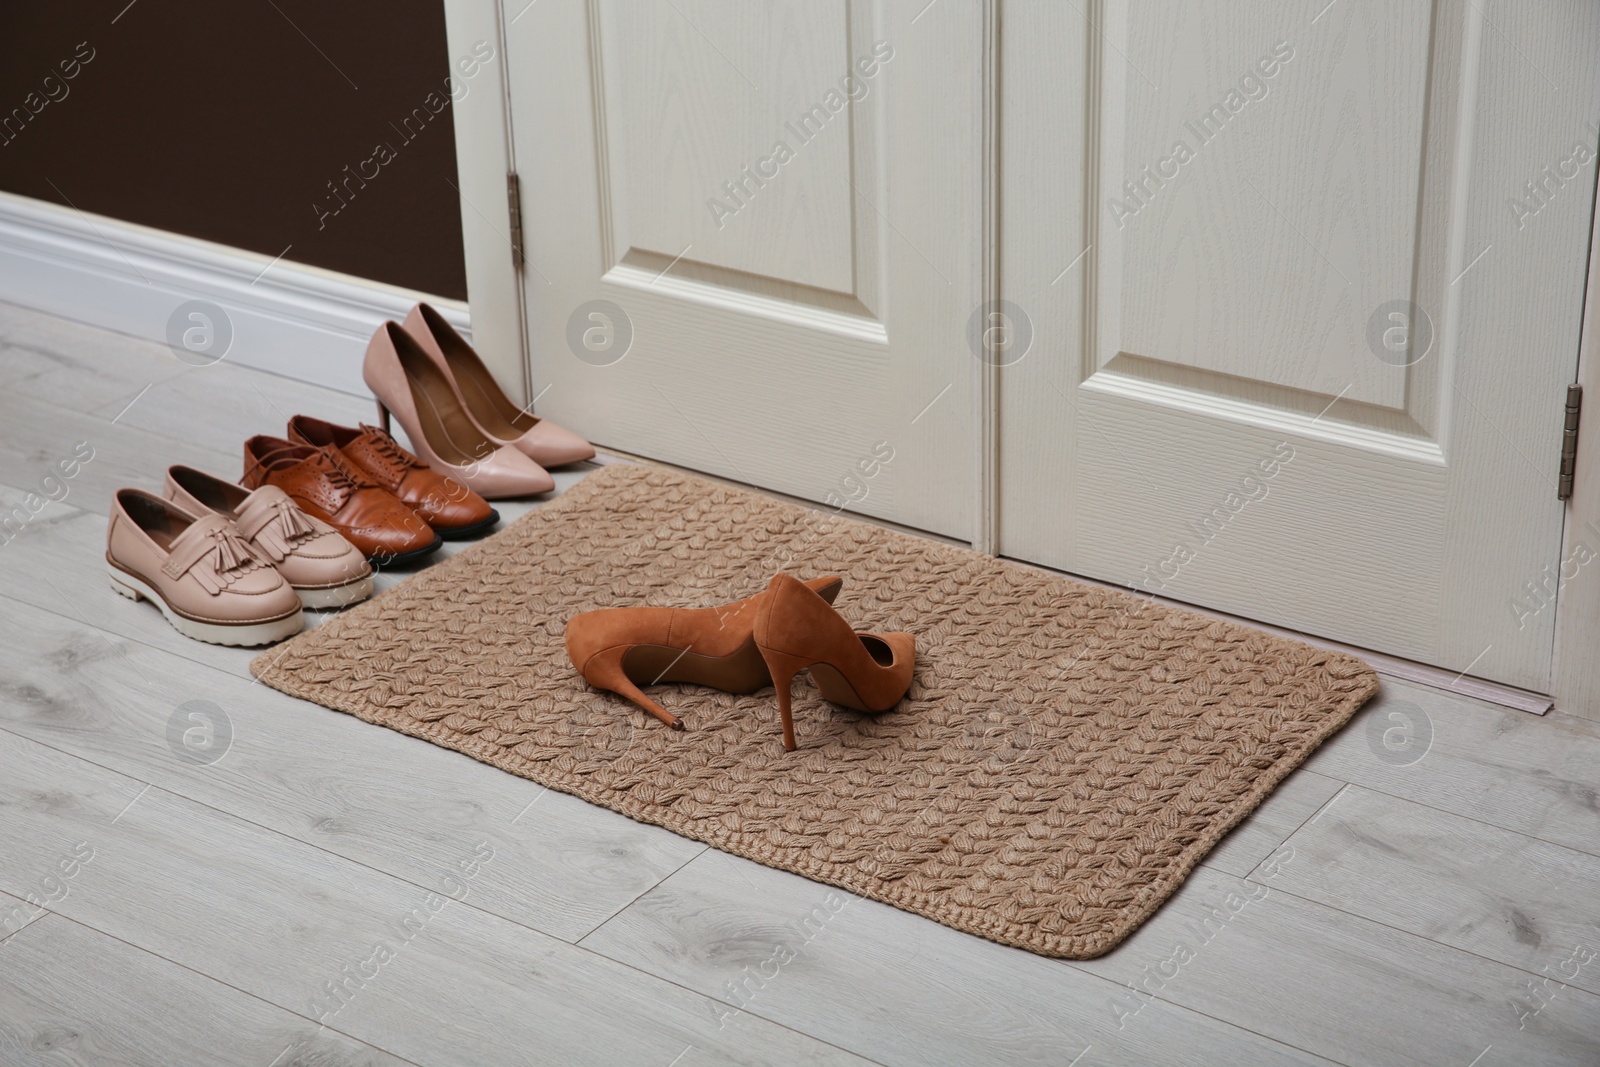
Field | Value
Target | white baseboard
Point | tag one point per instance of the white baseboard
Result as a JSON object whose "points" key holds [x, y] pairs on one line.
{"points": [[301, 322]]}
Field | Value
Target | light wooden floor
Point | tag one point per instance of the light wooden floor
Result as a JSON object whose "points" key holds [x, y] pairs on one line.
{"points": [[330, 892]]}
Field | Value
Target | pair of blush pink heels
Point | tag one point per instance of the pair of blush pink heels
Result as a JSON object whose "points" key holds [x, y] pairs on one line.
{"points": [[455, 414]]}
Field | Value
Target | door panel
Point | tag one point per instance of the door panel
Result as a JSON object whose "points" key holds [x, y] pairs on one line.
{"points": [[1218, 398], [780, 207], [678, 126], [1192, 273]]}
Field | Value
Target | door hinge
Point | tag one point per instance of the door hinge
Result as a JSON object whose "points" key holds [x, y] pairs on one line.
{"points": [[514, 207], [1569, 441]]}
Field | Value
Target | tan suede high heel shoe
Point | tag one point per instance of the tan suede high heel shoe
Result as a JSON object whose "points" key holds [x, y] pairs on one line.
{"points": [[621, 649], [796, 629]]}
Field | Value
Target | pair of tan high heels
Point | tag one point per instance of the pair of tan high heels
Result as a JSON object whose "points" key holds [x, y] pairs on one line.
{"points": [[455, 414], [741, 647]]}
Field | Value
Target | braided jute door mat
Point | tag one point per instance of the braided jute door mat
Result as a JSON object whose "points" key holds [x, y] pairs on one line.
{"points": [[1066, 754]]}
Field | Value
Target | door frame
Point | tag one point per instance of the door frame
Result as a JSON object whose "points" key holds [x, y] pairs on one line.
{"points": [[1575, 673], [482, 120], [484, 158]]}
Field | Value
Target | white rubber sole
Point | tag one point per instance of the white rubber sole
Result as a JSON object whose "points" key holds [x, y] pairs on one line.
{"points": [[245, 634], [336, 596]]}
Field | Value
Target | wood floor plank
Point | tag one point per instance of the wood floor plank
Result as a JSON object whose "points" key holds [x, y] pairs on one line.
{"points": [[221, 405], [1457, 881], [75, 366], [420, 974], [56, 562], [1286, 808], [394, 803], [1537, 775], [893, 986], [71, 995], [37, 436], [1343, 986], [215, 406], [16, 913]]}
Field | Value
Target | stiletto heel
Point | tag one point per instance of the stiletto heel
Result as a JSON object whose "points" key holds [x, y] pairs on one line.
{"points": [[797, 630], [605, 671], [383, 419], [621, 649], [783, 667]]}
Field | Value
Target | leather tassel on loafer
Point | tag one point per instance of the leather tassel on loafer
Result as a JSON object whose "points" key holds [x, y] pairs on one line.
{"points": [[323, 569]]}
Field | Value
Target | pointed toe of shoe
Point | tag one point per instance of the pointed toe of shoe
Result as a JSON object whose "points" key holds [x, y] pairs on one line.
{"points": [[508, 473], [550, 445]]}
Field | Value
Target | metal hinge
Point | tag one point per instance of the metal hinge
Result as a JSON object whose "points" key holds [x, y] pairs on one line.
{"points": [[1569, 441], [514, 206]]}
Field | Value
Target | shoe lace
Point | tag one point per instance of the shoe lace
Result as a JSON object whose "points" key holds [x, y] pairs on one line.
{"points": [[346, 476], [390, 449]]}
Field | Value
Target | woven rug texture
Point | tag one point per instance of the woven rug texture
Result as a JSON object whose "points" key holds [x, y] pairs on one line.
{"points": [[1064, 758]]}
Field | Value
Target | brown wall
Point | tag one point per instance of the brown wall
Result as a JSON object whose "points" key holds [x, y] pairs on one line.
{"points": [[227, 119]]}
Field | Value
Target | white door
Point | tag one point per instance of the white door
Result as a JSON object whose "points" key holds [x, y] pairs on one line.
{"points": [[1304, 283], [752, 237]]}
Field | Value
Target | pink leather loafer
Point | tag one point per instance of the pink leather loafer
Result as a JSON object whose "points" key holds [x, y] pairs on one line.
{"points": [[324, 569], [198, 571]]}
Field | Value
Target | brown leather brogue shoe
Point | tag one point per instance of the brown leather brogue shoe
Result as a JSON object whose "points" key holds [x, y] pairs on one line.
{"points": [[325, 484], [453, 510]]}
